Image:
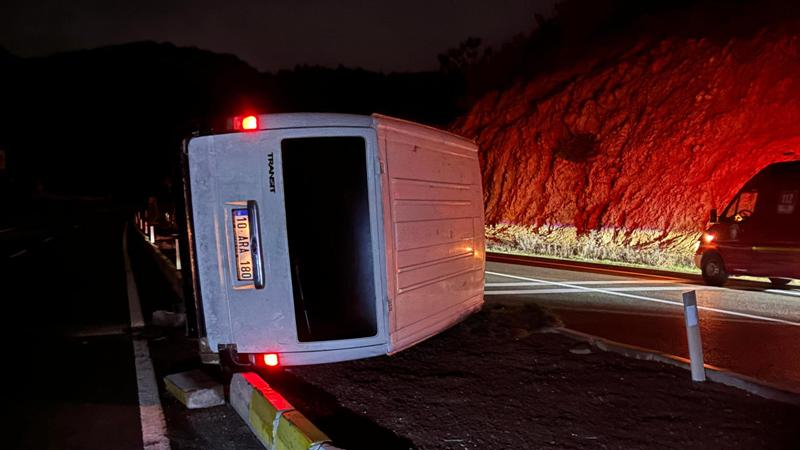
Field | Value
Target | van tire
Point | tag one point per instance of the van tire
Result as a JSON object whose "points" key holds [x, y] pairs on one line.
{"points": [[713, 269], [779, 282]]}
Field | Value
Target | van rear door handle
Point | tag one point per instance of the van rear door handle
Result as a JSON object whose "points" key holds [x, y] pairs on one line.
{"points": [[255, 244]]}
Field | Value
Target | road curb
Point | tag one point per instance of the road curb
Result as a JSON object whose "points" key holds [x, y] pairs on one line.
{"points": [[271, 418], [713, 373], [519, 258]]}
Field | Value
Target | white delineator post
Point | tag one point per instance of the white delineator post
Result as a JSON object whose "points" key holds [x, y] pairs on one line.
{"points": [[177, 254], [693, 336], [152, 234]]}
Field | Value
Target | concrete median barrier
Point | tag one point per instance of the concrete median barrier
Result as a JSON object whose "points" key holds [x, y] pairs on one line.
{"points": [[273, 420]]}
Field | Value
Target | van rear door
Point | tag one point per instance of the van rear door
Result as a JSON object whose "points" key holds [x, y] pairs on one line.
{"points": [[316, 193], [434, 228]]}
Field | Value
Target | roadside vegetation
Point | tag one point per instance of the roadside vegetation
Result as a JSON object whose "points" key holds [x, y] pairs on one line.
{"points": [[643, 248]]}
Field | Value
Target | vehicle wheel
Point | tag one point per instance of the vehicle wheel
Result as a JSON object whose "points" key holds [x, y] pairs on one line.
{"points": [[714, 270], [778, 282]]}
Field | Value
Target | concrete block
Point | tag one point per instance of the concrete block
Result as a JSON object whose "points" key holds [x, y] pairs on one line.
{"points": [[241, 392], [195, 389]]}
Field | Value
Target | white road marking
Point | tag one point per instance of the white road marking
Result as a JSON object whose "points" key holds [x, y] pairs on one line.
{"points": [[780, 292], [19, 253], [529, 283], [6, 230], [151, 416], [647, 299], [48, 239], [154, 427], [579, 291]]}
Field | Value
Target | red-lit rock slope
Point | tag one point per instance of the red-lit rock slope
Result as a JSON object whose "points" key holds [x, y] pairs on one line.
{"points": [[651, 139]]}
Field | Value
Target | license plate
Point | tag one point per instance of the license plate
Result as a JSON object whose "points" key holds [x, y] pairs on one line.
{"points": [[241, 233]]}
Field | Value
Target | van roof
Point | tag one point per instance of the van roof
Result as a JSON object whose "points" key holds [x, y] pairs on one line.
{"points": [[784, 167], [789, 171]]}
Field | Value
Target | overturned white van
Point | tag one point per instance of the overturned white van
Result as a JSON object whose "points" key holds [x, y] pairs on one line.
{"points": [[326, 237]]}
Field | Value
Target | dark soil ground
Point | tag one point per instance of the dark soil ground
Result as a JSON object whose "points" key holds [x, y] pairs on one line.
{"points": [[493, 382]]}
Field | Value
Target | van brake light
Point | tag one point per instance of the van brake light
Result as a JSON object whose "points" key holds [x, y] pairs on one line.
{"points": [[271, 359], [243, 123], [250, 123]]}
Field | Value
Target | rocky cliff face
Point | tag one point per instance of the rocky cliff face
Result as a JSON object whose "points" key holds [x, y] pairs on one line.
{"points": [[649, 140]]}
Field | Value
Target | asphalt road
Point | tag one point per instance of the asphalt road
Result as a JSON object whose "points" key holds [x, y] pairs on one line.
{"points": [[747, 326], [67, 354], [71, 375]]}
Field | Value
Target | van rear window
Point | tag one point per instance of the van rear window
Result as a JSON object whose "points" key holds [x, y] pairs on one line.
{"points": [[330, 237]]}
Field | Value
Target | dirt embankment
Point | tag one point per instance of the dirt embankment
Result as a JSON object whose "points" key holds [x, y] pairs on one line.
{"points": [[648, 139]]}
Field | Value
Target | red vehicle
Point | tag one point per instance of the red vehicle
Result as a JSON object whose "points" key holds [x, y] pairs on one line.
{"points": [[758, 233]]}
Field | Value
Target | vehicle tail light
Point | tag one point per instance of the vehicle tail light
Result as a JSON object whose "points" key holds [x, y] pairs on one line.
{"points": [[243, 123], [250, 123], [271, 359]]}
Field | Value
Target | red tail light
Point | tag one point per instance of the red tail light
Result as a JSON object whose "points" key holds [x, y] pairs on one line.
{"points": [[271, 359], [250, 123], [240, 123]]}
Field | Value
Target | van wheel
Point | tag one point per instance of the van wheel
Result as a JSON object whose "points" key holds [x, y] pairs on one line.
{"points": [[778, 282], [714, 270]]}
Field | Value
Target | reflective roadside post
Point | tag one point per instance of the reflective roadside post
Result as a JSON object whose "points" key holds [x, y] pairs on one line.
{"points": [[152, 234], [693, 336], [177, 254]]}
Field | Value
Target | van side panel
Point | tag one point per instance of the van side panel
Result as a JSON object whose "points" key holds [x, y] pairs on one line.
{"points": [[434, 227]]}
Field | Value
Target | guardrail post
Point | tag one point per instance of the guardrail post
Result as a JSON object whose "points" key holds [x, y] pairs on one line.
{"points": [[693, 336], [177, 254]]}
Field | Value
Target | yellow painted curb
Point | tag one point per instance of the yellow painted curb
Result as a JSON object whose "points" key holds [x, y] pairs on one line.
{"points": [[262, 419], [295, 432], [274, 421]]}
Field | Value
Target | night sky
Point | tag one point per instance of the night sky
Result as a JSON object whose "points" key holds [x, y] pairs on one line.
{"points": [[270, 35]]}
